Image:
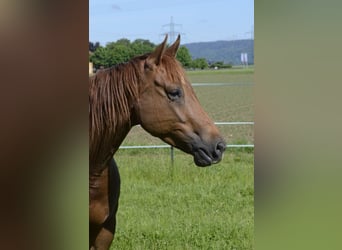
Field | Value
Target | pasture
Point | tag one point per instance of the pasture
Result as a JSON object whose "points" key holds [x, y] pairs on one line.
{"points": [[184, 206]]}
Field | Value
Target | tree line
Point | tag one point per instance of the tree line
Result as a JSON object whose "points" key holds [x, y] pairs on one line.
{"points": [[123, 50]]}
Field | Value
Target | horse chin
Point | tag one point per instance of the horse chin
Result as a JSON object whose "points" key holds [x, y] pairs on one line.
{"points": [[202, 159], [203, 154]]}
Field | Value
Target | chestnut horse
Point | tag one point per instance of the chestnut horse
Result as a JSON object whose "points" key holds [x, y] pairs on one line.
{"points": [[153, 91]]}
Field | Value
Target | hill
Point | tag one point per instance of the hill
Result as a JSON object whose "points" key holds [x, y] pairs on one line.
{"points": [[227, 51]]}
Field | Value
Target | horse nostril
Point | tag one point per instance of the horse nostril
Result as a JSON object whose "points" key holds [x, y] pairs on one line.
{"points": [[221, 147]]}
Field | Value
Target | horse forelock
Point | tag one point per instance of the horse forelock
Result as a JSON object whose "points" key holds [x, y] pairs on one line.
{"points": [[173, 69]]}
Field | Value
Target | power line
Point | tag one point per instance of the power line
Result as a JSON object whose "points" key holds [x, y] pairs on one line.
{"points": [[172, 33], [251, 33]]}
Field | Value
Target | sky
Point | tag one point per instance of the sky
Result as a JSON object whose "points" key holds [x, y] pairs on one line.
{"points": [[195, 20]]}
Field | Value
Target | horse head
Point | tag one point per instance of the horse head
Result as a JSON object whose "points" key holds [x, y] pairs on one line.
{"points": [[168, 108]]}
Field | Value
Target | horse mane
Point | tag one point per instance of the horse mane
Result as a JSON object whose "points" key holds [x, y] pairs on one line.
{"points": [[111, 94]]}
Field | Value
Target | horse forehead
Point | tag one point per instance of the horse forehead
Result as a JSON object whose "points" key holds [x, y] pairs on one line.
{"points": [[175, 78], [171, 74], [177, 82]]}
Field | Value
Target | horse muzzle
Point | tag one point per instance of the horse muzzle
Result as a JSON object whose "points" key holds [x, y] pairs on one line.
{"points": [[205, 155]]}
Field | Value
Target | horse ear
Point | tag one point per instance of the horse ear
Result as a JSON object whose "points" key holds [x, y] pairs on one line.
{"points": [[156, 55], [172, 50]]}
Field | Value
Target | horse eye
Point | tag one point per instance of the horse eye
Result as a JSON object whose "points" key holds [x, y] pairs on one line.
{"points": [[174, 94]]}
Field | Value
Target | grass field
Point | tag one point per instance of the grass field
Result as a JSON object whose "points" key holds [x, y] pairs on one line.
{"points": [[239, 75], [183, 206]]}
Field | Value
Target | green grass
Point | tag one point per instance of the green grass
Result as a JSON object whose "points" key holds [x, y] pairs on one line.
{"points": [[186, 207], [183, 206], [239, 75]]}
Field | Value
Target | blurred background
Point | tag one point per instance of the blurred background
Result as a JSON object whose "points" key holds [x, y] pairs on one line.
{"points": [[44, 124]]}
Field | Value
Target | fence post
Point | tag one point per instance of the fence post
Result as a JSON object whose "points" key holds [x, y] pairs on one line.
{"points": [[172, 155]]}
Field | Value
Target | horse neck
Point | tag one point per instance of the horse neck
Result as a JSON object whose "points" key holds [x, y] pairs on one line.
{"points": [[104, 147]]}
